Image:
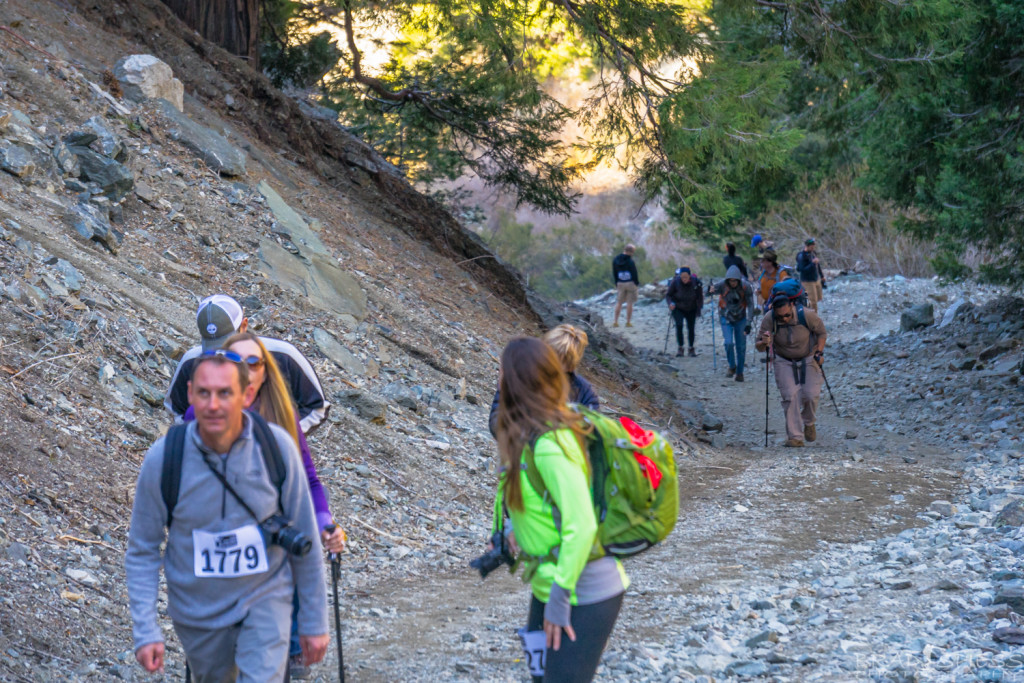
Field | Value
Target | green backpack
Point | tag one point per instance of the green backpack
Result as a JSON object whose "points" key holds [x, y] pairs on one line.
{"points": [[633, 483]]}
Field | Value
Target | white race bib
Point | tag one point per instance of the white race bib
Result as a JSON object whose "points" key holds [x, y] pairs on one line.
{"points": [[227, 554], [625, 276], [534, 649]]}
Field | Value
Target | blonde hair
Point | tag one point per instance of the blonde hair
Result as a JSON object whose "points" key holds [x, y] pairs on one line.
{"points": [[569, 343], [275, 398]]}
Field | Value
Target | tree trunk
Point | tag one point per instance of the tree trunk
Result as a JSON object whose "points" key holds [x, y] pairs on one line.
{"points": [[232, 24]]}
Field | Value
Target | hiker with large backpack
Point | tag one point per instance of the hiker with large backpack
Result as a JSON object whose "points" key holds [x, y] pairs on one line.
{"points": [[736, 308], [569, 343], [272, 402], [240, 536], [572, 511], [795, 337], [685, 299]]}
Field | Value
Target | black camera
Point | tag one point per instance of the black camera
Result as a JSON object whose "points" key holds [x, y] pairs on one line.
{"points": [[279, 531], [493, 558]]}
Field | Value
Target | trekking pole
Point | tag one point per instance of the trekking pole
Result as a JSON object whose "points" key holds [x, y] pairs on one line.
{"points": [[825, 377], [714, 344], [335, 576], [668, 331], [767, 364]]}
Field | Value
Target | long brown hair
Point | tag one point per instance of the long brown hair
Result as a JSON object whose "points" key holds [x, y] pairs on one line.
{"points": [[275, 399], [534, 395]]}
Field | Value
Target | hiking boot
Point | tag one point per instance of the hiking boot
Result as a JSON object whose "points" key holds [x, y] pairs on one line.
{"points": [[615, 324], [739, 376], [297, 671], [629, 324], [810, 433], [793, 443], [731, 372], [693, 354], [679, 352]]}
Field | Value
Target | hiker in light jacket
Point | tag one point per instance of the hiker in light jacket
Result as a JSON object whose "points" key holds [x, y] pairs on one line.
{"points": [[576, 597]]}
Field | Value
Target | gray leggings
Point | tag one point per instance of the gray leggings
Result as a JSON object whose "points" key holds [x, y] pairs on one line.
{"points": [[576, 662]]}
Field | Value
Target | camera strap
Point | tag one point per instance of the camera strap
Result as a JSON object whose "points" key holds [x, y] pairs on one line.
{"points": [[230, 489]]}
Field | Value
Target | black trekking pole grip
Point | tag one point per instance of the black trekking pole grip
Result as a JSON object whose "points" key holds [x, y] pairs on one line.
{"points": [[335, 577]]}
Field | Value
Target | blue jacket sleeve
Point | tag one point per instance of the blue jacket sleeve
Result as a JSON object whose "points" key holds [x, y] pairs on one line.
{"points": [[582, 392], [492, 421]]}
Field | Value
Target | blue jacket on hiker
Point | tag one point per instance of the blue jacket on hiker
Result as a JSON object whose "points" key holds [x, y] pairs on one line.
{"points": [[580, 391]]}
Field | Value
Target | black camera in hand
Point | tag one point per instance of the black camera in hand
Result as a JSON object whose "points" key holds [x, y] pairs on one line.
{"points": [[493, 558], [279, 531]]}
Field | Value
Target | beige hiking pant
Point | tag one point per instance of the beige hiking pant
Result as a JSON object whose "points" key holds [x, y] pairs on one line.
{"points": [[799, 401], [814, 294]]}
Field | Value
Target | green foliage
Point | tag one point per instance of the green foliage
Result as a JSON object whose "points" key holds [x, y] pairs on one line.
{"points": [[921, 98], [572, 262], [301, 64]]}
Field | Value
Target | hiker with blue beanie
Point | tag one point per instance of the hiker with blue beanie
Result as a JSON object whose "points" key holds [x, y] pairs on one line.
{"points": [[685, 299]]}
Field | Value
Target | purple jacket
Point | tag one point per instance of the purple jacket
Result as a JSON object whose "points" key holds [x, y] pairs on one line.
{"points": [[316, 489]]}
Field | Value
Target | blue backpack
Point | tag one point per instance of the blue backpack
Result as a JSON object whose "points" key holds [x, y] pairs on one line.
{"points": [[795, 292], [792, 290]]}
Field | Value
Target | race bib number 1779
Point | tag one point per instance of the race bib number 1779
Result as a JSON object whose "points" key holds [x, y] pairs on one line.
{"points": [[227, 554]]}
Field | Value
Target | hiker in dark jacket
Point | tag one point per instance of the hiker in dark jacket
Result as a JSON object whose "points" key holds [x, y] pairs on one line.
{"points": [[811, 275], [627, 282], [736, 306], [685, 299], [731, 259], [569, 343]]}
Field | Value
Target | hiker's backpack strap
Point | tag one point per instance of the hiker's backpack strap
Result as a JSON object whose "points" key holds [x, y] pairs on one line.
{"points": [[529, 466], [170, 476], [271, 452], [800, 317]]}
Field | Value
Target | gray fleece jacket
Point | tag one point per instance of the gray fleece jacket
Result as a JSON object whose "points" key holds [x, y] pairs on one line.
{"points": [[204, 503]]}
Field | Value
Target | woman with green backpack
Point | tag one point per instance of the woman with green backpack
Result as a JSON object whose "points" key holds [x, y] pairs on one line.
{"points": [[577, 589]]}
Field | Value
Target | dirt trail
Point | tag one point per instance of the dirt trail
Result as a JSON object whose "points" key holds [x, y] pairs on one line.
{"points": [[746, 511]]}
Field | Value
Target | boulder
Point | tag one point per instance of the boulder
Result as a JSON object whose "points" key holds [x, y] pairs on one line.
{"points": [[342, 357], [66, 161], [92, 224], [1011, 515], [210, 146], [956, 310], [915, 317], [367, 407], [114, 179], [323, 283], [144, 76], [17, 161], [290, 224], [106, 143]]}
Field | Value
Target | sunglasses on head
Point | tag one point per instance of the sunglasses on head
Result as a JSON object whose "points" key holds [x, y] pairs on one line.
{"points": [[251, 361], [225, 354]]}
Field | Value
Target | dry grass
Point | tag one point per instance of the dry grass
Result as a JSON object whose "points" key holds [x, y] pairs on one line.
{"points": [[854, 232]]}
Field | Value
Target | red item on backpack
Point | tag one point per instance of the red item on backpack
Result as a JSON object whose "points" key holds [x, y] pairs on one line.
{"points": [[642, 438]]}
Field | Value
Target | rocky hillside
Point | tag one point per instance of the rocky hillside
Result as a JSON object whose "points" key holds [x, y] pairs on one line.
{"points": [[118, 213]]}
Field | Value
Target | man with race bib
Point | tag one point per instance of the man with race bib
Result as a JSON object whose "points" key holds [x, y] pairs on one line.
{"points": [[230, 566]]}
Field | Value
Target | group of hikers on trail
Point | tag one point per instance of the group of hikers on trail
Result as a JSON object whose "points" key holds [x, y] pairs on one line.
{"points": [[790, 332], [230, 504]]}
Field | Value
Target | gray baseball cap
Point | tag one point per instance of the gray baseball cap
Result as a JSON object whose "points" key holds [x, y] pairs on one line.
{"points": [[219, 316]]}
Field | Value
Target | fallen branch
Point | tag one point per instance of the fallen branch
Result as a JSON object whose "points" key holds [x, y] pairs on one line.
{"points": [[45, 360], [66, 537], [386, 534]]}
